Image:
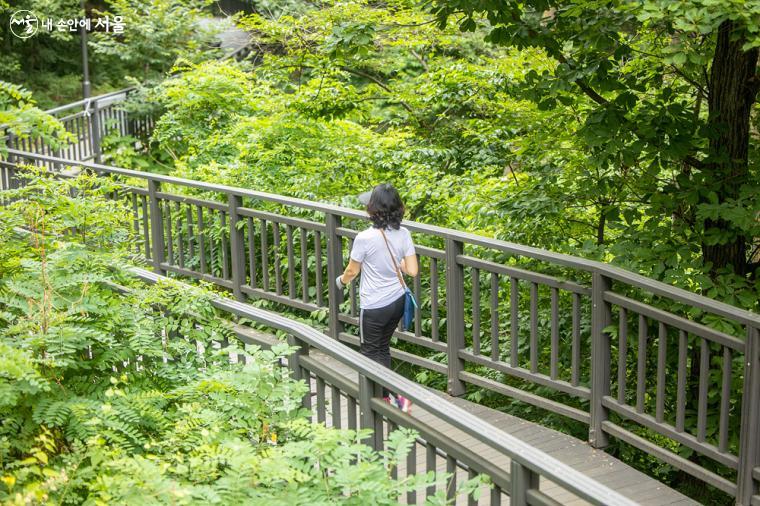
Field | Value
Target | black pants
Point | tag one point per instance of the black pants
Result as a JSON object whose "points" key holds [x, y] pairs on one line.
{"points": [[376, 327]]}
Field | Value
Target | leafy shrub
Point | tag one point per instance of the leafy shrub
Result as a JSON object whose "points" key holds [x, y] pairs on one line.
{"points": [[113, 392]]}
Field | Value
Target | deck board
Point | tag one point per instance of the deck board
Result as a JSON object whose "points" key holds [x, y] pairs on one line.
{"points": [[574, 452], [578, 454]]}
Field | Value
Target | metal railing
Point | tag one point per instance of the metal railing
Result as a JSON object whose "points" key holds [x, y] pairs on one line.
{"points": [[89, 121], [335, 395], [628, 356]]}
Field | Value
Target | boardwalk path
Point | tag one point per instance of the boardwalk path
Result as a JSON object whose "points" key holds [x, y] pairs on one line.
{"points": [[569, 450]]}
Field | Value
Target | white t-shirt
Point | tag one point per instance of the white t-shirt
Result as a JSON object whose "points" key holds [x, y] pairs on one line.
{"points": [[379, 285]]}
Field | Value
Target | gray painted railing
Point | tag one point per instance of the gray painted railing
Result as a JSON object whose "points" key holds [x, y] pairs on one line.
{"points": [[552, 330], [88, 121], [365, 410]]}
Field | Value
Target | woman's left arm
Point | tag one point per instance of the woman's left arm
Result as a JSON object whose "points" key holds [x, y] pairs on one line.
{"points": [[409, 265]]}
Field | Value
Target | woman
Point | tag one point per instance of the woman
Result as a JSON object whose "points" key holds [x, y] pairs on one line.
{"points": [[381, 294]]}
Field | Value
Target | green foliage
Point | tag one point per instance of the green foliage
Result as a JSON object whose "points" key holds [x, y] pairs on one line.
{"points": [[156, 33], [22, 118], [114, 392]]}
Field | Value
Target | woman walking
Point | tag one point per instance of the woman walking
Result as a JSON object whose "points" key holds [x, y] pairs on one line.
{"points": [[379, 253]]}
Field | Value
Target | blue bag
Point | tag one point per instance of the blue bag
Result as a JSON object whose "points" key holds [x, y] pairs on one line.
{"points": [[410, 303]]}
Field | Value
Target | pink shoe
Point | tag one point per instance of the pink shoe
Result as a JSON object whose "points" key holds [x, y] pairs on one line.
{"points": [[404, 404], [390, 399]]}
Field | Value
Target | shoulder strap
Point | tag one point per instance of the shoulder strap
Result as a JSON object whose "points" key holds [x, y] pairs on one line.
{"points": [[393, 259]]}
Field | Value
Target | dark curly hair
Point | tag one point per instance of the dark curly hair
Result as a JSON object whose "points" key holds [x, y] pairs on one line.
{"points": [[385, 208]]}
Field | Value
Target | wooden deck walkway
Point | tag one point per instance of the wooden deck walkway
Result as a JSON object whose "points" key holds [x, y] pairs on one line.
{"points": [[567, 449]]}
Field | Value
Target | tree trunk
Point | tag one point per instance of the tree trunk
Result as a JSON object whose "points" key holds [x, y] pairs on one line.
{"points": [[733, 88]]}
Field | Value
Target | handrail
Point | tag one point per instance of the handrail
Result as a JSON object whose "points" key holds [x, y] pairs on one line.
{"points": [[617, 273], [517, 450], [653, 395], [85, 101]]}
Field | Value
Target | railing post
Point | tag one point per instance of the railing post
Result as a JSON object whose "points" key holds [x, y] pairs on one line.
{"points": [[297, 372], [156, 227], [601, 317], [368, 419], [521, 480], [95, 135], [237, 246], [749, 435], [454, 315], [334, 266]]}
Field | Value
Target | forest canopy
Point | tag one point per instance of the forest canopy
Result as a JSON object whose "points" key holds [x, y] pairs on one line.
{"points": [[588, 128]]}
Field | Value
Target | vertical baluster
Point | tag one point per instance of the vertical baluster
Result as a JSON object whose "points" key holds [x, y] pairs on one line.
{"points": [[201, 240], [351, 409], [145, 227], [190, 236], [264, 256], [514, 294], [336, 411], [451, 485], [725, 400], [251, 252], [318, 268], [495, 355], [534, 327], [74, 149], [85, 144], [411, 470], [394, 469], [555, 334], [683, 344], [291, 262], [662, 347], [95, 121], [180, 235], [321, 408], [225, 250], [213, 250], [135, 222], [471, 501], [304, 267], [430, 465], [476, 311], [495, 496], [277, 260], [704, 371], [641, 371], [434, 321], [169, 239], [576, 344], [622, 353]]}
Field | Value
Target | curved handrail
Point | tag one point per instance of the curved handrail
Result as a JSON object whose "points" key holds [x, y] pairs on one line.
{"points": [[527, 455], [656, 287]]}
